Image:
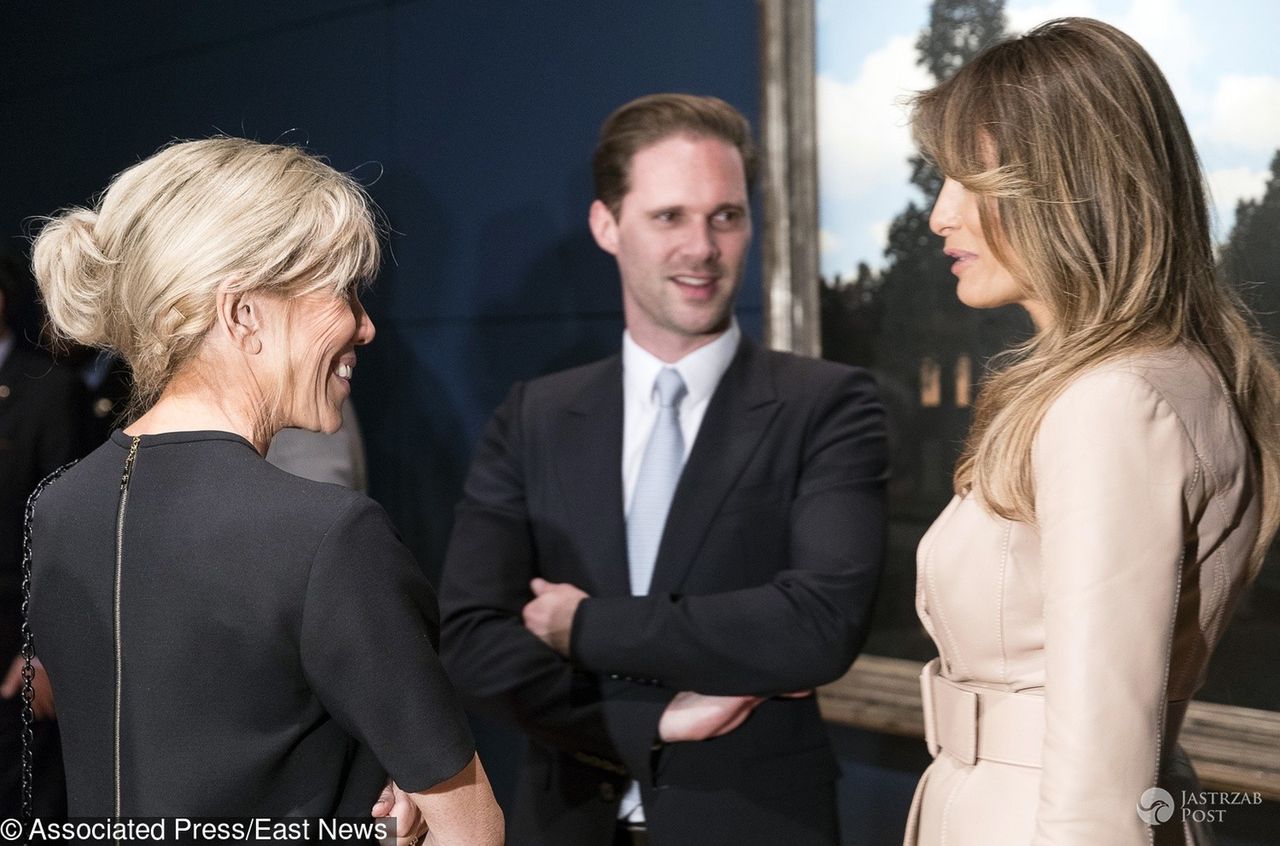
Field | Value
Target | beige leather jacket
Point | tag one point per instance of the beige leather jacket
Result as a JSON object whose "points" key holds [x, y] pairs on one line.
{"points": [[1092, 629]]}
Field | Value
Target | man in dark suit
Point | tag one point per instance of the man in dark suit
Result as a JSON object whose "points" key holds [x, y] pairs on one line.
{"points": [[42, 408], [660, 555]]}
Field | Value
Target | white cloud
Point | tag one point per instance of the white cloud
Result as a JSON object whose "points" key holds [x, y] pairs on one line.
{"points": [[863, 138], [1172, 38], [1019, 18], [829, 243], [1163, 27], [1245, 112], [1228, 187], [880, 231]]}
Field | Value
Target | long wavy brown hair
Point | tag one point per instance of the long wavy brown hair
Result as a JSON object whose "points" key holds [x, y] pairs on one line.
{"points": [[1092, 194]]}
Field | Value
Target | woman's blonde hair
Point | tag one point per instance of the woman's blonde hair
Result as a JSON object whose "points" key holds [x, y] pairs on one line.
{"points": [[139, 273], [1093, 196]]}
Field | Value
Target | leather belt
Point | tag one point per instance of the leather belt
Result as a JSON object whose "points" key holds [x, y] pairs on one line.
{"points": [[972, 723]]}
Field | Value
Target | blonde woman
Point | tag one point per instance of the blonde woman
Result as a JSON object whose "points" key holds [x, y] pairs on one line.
{"points": [[226, 639], [1119, 485]]}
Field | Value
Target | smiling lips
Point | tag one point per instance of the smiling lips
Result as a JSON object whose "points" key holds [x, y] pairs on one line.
{"points": [[963, 258], [699, 286]]}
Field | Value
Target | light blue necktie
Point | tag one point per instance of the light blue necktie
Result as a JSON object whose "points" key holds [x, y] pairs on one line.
{"points": [[656, 482]]}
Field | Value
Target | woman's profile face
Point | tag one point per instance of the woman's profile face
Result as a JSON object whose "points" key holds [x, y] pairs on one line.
{"points": [[324, 333], [983, 281]]}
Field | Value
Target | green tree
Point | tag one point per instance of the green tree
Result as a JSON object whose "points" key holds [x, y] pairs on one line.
{"points": [[958, 30], [921, 316], [1250, 258], [919, 292], [894, 320]]}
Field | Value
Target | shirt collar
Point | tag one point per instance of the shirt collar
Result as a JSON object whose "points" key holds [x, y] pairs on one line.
{"points": [[701, 369]]}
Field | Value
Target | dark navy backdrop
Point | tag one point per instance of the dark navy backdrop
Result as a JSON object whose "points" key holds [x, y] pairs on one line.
{"points": [[474, 122]]}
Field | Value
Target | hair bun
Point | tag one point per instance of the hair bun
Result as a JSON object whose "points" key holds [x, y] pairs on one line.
{"points": [[73, 274]]}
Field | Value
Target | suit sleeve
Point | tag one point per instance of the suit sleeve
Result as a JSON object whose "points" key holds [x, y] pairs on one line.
{"points": [[502, 667], [805, 626], [1112, 466]]}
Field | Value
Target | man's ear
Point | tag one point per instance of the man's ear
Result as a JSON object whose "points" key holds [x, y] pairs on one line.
{"points": [[240, 319], [604, 226]]}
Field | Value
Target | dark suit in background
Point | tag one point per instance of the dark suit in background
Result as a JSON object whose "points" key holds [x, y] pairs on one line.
{"points": [[42, 409], [763, 584], [768, 559]]}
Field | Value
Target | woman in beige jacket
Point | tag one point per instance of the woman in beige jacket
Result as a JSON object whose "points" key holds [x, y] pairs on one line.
{"points": [[1119, 485]]}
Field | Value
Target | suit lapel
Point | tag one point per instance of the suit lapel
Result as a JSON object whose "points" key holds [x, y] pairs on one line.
{"points": [[737, 417], [590, 466]]}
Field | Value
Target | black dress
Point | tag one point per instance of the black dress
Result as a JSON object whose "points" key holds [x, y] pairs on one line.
{"points": [[230, 640]]}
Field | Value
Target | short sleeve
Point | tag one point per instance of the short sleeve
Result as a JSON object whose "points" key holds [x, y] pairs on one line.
{"points": [[370, 630]]}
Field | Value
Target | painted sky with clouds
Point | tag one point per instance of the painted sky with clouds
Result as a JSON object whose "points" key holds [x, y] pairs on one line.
{"points": [[1222, 59]]}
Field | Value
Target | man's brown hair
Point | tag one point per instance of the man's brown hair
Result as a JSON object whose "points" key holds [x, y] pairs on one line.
{"points": [[650, 119]]}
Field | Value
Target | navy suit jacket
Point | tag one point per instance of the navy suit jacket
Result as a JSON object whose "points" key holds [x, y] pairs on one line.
{"points": [[763, 585]]}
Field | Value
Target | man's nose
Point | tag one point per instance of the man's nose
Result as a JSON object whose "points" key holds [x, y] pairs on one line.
{"points": [[703, 242]]}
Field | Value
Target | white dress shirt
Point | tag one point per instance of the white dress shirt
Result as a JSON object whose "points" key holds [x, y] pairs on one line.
{"points": [[701, 371]]}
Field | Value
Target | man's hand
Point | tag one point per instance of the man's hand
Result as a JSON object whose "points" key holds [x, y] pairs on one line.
{"points": [[550, 614], [394, 802], [697, 716], [42, 701]]}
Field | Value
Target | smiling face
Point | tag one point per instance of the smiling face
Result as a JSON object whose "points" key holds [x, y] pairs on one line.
{"points": [[680, 238], [324, 332], [983, 280]]}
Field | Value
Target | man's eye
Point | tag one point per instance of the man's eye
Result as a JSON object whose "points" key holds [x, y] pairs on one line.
{"points": [[727, 218], [667, 216]]}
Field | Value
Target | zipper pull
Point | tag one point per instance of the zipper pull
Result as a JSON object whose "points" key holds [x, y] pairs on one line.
{"points": [[128, 462]]}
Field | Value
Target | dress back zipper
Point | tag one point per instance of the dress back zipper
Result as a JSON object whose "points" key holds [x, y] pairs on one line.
{"points": [[115, 601]]}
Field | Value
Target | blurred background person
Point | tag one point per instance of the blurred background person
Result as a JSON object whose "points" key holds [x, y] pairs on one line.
{"points": [[335, 457], [41, 428]]}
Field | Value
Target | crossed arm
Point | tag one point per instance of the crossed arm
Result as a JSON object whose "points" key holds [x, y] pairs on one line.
{"points": [[549, 656], [800, 629], [689, 716]]}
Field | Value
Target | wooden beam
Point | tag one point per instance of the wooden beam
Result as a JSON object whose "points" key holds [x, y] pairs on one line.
{"points": [[1235, 749], [788, 134]]}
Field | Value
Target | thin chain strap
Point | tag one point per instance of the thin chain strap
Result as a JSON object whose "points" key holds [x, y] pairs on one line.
{"points": [[28, 647]]}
